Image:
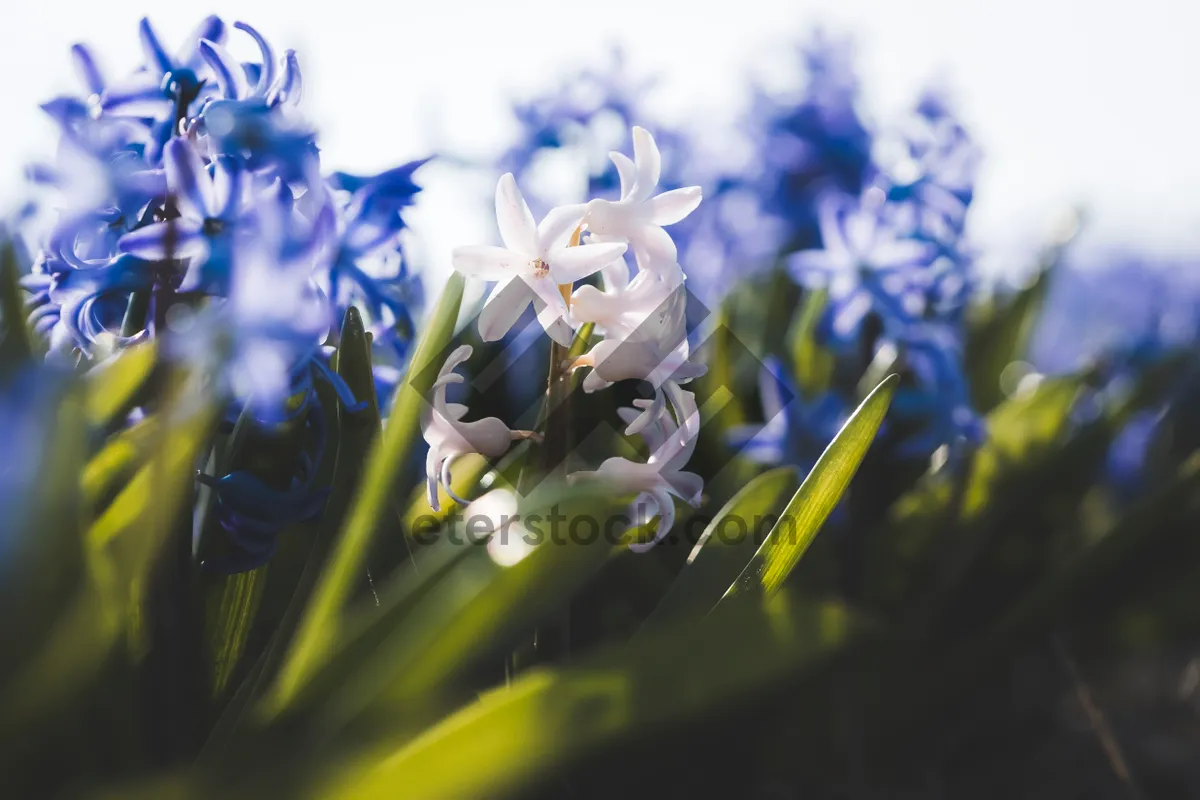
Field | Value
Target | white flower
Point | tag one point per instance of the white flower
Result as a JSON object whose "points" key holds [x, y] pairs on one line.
{"points": [[535, 259], [646, 338], [449, 437], [662, 476], [637, 217]]}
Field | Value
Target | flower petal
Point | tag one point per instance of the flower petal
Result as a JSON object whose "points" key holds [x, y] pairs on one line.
{"points": [[288, 89], [558, 225], [230, 77], [150, 242], [551, 310], [189, 180], [86, 66], [227, 187], [136, 99], [648, 161], [503, 307], [517, 228], [266, 75], [157, 59], [670, 207], [570, 264], [211, 28], [654, 249], [489, 263], [626, 171]]}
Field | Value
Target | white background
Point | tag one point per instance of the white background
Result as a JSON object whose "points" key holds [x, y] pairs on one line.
{"points": [[1072, 101]]}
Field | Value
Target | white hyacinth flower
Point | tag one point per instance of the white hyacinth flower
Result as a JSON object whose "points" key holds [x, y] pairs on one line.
{"points": [[534, 261], [449, 437], [662, 476], [638, 217], [645, 339]]}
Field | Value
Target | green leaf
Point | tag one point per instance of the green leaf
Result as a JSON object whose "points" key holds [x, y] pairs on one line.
{"points": [[372, 503], [816, 497], [16, 345], [120, 457], [483, 605], [812, 364], [1024, 435], [113, 386], [118, 550], [514, 737], [721, 554], [999, 335]]}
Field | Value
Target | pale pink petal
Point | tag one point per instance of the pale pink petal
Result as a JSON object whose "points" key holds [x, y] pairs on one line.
{"points": [[670, 207], [487, 262], [517, 228], [570, 264]]}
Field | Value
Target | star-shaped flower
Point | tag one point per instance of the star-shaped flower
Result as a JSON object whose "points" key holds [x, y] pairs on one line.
{"points": [[533, 263], [638, 216]]}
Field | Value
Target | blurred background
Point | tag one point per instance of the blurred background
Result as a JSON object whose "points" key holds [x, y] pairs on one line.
{"points": [[1070, 105]]}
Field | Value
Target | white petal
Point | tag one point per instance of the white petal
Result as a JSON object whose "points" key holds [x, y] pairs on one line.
{"points": [[654, 249], [517, 228], [504, 306], [570, 264], [616, 275], [589, 304], [487, 262], [666, 521], [552, 310], [557, 226], [649, 163], [670, 207], [626, 170], [432, 468]]}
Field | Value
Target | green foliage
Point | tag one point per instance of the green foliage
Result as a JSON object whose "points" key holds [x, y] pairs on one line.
{"points": [[391, 651]]}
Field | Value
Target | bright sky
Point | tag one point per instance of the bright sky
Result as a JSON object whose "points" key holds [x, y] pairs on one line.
{"points": [[1072, 101]]}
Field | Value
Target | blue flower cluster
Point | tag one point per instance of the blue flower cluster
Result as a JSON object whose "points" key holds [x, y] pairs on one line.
{"points": [[190, 198], [873, 218]]}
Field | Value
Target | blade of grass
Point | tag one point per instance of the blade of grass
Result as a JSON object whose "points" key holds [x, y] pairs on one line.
{"points": [[720, 556], [816, 497], [547, 719], [114, 385], [373, 501]]}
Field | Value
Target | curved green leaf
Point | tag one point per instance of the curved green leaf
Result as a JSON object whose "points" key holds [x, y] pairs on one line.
{"points": [[816, 497], [113, 386], [372, 503], [720, 555], [546, 719]]}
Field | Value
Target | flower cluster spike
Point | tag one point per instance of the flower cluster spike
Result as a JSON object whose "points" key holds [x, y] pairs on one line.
{"points": [[189, 205], [641, 321]]}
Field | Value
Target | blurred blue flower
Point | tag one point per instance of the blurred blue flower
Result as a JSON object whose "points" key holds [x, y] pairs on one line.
{"points": [[193, 211], [811, 142], [866, 265], [207, 200], [369, 268], [795, 431], [938, 400]]}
